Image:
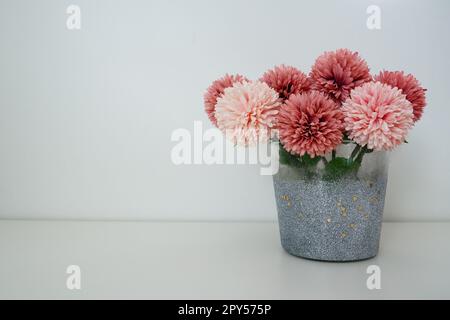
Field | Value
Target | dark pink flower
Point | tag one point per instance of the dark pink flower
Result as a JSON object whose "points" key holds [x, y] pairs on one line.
{"points": [[337, 73], [216, 90], [310, 123], [409, 86], [286, 81]]}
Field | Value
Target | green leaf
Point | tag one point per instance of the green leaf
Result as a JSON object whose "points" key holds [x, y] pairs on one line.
{"points": [[308, 161], [338, 167], [287, 158], [306, 165]]}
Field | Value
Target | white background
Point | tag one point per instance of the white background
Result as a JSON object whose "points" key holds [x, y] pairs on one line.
{"points": [[86, 116]]}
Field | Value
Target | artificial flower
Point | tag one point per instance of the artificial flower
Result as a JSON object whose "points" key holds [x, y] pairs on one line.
{"points": [[377, 116], [247, 112], [216, 90], [310, 123], [337, 73], [409, 86], [286, 81]]}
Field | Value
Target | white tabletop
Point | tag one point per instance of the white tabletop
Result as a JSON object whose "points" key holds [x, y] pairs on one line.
{"points": [[149, 260]]}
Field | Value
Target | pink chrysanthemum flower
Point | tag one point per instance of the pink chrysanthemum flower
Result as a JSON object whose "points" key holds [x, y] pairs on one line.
{"points": [[377, 116], [216, 90], [337, 73], [310, 123], [247, 112], [286, 81], [409, 86]]}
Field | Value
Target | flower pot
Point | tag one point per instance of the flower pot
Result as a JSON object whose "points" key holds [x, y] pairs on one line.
{"points": [[331, 209]]}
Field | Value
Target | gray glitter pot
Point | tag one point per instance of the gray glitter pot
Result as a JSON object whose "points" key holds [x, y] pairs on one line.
{"points": [[332, 219]]}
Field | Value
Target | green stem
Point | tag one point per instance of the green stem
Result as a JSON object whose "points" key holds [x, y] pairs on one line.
{"points": [[354, 153], [360, 156], [333, 154]]}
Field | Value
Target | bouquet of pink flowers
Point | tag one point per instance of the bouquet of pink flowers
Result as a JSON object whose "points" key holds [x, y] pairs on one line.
{"points": [[329, 201], [340, 102]]}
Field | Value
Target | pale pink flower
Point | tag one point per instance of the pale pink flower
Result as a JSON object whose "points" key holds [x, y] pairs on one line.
{"points": [[286, 81], [310, 123], [377, 116], [216, 90], [409, 86], [337, 73], [247, 112]]}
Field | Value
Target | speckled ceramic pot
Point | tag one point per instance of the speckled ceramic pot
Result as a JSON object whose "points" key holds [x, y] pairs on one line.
{"points": [[333, 217]]}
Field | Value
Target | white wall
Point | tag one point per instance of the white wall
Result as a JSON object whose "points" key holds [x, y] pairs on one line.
{"points": [[86, 116]]}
